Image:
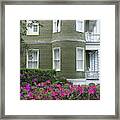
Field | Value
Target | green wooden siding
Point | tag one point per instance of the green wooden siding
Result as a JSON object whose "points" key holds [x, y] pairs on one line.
{"points": [[68, 32], [67, 39], [45, 33], [68, 59], [45, 55]]}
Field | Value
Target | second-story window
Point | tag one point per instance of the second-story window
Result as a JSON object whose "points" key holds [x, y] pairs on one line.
{"points": [[35, 28], [32, 28], [56, 26], [97, 27], [80, 25]]}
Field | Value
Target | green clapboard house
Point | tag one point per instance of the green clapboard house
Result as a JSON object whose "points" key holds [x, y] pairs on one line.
{"points": [[71, 47]]}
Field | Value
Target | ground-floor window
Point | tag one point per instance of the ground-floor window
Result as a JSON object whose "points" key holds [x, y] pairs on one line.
{"points": [[79, 59], [94, 60], [56, 58], [32, 58]]}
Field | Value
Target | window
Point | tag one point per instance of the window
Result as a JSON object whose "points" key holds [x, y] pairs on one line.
{"points": [[56, 26], [56, 59], [79, 59], [32, 58], [80, 25], [35, 28], [32, 28]]}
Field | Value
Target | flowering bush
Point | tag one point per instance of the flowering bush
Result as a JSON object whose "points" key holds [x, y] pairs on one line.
{"points": [[58, 91]]}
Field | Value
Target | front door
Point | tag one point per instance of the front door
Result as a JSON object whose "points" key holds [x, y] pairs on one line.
{"points": [[93, 60], [92, 64]]}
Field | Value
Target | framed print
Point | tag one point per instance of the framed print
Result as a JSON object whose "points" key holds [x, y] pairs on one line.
{"points": [[60, 60]]}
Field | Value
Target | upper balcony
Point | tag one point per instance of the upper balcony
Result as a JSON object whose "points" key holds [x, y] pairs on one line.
{"points": [[92, 37]]}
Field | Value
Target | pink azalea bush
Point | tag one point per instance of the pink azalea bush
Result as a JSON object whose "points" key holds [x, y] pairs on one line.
{"points": [[58, 91]]}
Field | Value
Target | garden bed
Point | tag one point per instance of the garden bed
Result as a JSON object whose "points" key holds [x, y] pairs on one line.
{"points": [[36, 84], [58, 91]]}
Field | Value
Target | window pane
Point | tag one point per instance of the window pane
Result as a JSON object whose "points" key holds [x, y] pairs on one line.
{"points": [[29, 64], [79, 64], [56, 59], [32, 61], [32, 55], [32, 64], [56, 26], [35, 28], [79, 59], [56, 54], [56, 64], [79, 54], [80, 25]]}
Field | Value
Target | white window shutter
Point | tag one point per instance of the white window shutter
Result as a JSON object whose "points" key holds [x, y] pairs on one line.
{"points": [[54, 26], [80, 25]]}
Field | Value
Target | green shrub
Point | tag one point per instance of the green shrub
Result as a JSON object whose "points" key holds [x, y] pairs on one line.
{"points": [[29, 75], [91, 84], [59, 78]]}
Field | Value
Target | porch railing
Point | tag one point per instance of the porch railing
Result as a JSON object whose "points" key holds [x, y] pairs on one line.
{"points": [[92, 75], [92, 37]]}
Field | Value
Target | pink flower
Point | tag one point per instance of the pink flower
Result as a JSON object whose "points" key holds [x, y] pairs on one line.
{"points": [[62, 94], [27, 87], [94, 87], [48, 81], [34, 80], [60, 88], [67, 92], [21, 94], [46, 91], [58, 85], [38, 84], [30, 95], [80, 89], [54, 93], [43, 83], [91, 91], [50, 89], [21, 87], [71, 88]]}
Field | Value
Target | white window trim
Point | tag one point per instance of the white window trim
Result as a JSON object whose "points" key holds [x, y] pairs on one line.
{"points": [[55, 27], [80, 30], [32, 32], [76, 59], [59, 59], [37, 58]]}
